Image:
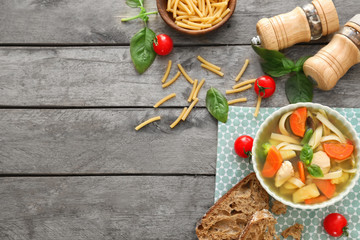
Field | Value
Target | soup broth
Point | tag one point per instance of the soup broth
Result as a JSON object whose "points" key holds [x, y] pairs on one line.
{"points": [[306, 157]]}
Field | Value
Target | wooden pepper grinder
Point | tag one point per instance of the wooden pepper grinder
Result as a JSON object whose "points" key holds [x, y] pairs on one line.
{"points": [[336, 58], [310, 22]]}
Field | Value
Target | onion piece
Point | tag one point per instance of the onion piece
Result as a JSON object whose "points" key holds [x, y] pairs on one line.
{"points": [[331, 126], [297, 182], [282, 123], [331, 137], [284, 138], [314, 141], [292, 147], [325, 128], [331, 175], [281, 145], [354, 170]]}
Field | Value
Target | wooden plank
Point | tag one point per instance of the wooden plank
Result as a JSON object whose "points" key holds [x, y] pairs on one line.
{"points": [[86, 208], [105, 76], [95, 22], [74, 141]]}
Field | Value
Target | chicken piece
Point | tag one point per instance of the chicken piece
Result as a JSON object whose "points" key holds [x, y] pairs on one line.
{"points": [[321, 159], [285, 172]]}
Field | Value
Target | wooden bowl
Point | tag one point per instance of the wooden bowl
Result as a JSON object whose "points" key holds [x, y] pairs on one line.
{"points": [[167, 17]]}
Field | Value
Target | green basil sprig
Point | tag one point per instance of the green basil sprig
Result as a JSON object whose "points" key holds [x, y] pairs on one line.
{"points": [[306, 154], [217, 105], [141, 44], [315, 171], [298, 87]]}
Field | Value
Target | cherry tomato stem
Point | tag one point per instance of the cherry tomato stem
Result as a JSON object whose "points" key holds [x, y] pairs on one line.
{"points": [[264, 86]]}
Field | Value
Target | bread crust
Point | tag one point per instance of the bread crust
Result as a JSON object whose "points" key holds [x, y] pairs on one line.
{"points": [[236, 207]]}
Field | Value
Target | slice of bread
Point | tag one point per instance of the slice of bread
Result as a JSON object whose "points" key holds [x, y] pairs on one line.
{"points": [[295, 231], [227, 218], [260, 227]]}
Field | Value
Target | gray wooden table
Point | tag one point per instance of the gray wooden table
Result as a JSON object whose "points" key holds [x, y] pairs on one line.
{"points": [[72, 166]]}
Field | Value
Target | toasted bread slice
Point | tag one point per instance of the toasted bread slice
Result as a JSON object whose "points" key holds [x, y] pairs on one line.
{"points": [[295, 231], [260, 227], [227, 218]]}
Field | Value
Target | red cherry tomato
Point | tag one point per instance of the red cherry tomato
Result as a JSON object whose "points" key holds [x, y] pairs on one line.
{"points": [[163, 44], [264, 86], [335, 224], [243, 146]]}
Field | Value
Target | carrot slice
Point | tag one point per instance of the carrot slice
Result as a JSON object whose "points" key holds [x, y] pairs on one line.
{"points": [[326, 187], [318, 199], [273, 162], [298, 121], [301, 171], [339, 151]]}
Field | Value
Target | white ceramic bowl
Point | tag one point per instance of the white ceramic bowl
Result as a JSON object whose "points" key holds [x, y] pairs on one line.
{"points": [[269, 125]]}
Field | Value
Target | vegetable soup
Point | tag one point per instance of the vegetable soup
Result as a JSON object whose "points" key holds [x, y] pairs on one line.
{"points": [[306, 158]]}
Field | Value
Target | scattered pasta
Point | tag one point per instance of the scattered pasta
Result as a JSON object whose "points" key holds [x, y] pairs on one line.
{"points": [[182, 70], [138, 127], [208, 63], [237, 100], [186, 114], [196, 93], [167, 72], [172, 80], [237, 90], [212, 69], [242, 70], [164, 99], [179, 118], [244, 83], [193, 90], [257, 109]]}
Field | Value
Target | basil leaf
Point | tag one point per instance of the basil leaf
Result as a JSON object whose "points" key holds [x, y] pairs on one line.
{"points": [[306, 154], [141, 49], [300, 63], [307, 136], [134, 3], [217, 105], [277, 73], [315, 171], [288, 64], [298, 88], [269, 55]]}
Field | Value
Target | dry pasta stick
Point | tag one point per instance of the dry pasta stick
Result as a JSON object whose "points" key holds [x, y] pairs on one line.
{"points": [[193, 90], [237, 100], [182, 5], [190, 6], [172, 80], [257, 106], [242, 70], [147, 122], [185, 74], [198, 89], [196, 24], [164, 99], [244, 83], [208, 63], [186, 114], [212, 69], [209, 7], [197, 10], [225, 13], [219, 4], [216, 21], [169, 4], [167, 72], [175, 8], [238, 89], [184, 25], [179, 118]]}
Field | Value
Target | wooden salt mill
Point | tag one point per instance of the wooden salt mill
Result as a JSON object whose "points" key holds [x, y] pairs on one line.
{"points": [[310, 22], [336, 58]]}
